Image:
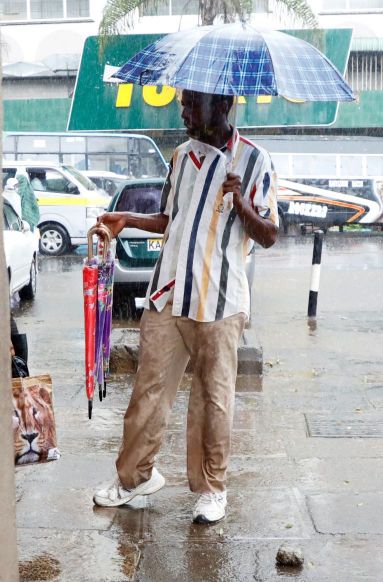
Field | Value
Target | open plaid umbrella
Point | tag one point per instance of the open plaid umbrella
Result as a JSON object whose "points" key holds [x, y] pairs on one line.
{"points": [[98, 288], [235, 59]]}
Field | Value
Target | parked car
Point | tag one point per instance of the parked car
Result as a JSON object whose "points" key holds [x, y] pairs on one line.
{"points": [[109, 182], [137, 251], [20, 247], [69, 202]]}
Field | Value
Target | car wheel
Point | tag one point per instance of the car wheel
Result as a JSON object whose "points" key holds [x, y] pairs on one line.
{"points": [[29, 291], [54, 240]]}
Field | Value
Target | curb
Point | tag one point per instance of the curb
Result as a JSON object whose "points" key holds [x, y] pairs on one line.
{"points": [[125, 344]]}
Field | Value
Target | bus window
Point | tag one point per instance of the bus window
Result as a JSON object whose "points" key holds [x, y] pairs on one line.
{"points": [[8, 145], [318, 165], [351, 166], [106, 144], [37, 156], [37, 144], [126, 154], [375, 165], [281, 164]]}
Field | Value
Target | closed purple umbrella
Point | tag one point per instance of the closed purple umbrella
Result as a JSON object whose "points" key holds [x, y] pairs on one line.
{"points": [[104, 318]]}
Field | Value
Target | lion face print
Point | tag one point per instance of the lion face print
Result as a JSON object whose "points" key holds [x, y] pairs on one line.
{"points": [[33, 421]]}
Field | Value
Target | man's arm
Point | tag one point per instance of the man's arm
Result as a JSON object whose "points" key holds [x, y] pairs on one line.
{"points": [[262, 230], [116, 221]]}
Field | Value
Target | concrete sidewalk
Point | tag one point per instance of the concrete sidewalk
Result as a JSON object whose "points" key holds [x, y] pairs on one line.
{"points": [[307, 459]]}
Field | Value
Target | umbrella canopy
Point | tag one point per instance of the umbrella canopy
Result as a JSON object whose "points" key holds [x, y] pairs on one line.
{"points": [[236, 59]]}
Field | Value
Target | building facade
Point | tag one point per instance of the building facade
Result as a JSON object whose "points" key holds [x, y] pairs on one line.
{"points": [[42, 42]]}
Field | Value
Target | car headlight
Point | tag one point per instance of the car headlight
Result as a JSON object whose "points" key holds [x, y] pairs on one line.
{"points": [[94, 211]]}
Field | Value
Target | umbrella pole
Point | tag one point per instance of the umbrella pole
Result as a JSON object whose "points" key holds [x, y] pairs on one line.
{"points": [[234, 110]]}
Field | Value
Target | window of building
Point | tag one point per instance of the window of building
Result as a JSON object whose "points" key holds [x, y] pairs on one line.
{"points": [[260, 6], [365, 5], [364, 71], [46, 9], [13, 10], [77, 8], [184, 7]]}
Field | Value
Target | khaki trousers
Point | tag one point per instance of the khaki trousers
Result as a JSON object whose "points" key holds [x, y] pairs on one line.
{"points": [[166, 344]]}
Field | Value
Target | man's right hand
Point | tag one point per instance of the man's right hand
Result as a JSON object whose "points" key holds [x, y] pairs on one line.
{"points": [[115, 221]]}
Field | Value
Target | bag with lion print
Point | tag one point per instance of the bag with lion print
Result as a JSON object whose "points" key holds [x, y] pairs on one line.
{"points": [[34, 431]]}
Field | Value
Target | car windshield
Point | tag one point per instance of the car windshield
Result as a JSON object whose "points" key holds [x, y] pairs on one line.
{"points": [[145, 199], [84, 181]]}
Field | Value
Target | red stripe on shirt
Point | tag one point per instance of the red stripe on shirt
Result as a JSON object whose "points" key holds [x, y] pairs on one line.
{"points": [[195, 160], [164, 289]]}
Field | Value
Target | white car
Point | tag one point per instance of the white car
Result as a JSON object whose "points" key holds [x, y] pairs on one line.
{"points": [[20, 247], [69, 203]]}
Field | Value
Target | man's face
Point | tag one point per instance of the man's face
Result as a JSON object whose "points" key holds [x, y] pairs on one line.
{"points": [[200, 115]]}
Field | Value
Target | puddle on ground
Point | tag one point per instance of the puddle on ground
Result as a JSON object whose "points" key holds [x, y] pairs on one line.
{"points": [[43, 567]]}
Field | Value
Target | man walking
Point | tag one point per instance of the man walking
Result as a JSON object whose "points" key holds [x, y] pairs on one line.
{"points": [[219, 196]]}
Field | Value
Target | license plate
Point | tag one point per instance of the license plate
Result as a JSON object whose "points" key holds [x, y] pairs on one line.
{"points": [[154, 244]]}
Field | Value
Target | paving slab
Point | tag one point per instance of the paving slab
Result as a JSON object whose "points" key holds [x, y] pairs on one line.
{"points": [[363, 474], [353, 513], [83, 556]]}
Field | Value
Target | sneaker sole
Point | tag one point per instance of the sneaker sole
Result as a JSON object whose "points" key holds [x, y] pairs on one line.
{"points": [[142, 489], [201, 519]]}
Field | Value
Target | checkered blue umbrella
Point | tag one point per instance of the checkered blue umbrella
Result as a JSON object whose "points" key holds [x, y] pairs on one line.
{"points": [[232, 59]]}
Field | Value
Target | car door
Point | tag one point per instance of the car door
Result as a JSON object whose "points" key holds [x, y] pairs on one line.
{"points": [[17, 250], [58, 197]]}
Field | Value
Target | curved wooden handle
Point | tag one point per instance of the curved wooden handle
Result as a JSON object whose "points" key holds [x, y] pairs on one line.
{"points": [[102, 231]]}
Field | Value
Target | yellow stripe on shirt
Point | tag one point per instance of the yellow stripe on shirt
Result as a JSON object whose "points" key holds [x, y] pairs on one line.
{"points": [[211, 238]]}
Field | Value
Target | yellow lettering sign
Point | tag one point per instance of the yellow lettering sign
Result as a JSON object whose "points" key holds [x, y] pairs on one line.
{"points": [[264, 99], [158, 96], [124, 95]]}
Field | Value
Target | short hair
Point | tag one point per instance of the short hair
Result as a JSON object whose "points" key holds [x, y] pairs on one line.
{"points": [[228, 98]]}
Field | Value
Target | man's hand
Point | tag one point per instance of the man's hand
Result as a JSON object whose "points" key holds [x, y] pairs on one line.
{"points": [[262, 230], [115, 221], [233, 183]]}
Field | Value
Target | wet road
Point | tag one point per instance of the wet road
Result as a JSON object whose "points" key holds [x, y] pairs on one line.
{"points": [[296, 474]]}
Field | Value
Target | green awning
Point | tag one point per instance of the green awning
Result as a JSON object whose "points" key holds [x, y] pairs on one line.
{"points": [[367, 45]]}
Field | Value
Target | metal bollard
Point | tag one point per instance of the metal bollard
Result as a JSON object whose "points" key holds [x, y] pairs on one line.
{"points": [[315, 274]]}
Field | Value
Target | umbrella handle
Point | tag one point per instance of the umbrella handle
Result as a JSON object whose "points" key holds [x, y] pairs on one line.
{"points": [[101, 230]]}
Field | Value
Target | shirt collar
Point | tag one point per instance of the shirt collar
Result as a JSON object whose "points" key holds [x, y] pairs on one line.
{"points": [[228, 150]]}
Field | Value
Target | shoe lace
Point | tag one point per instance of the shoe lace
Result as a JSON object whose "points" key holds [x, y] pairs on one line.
{"points": [[207, 498]]}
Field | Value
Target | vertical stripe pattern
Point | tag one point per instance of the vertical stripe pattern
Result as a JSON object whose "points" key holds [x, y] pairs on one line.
{"points": [[204, 243]]}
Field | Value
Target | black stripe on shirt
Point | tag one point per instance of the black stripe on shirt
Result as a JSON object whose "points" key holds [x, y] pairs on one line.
{"points": [[176, 195], [193, 238], [164, 198], [226, 237], [166, 188]]}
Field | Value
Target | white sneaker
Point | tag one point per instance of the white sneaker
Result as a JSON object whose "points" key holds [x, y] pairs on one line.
{"points": [[210, 507], [114, 494]]}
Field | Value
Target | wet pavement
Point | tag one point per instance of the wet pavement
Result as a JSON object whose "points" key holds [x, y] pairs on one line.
{"points": [[307, 459]]}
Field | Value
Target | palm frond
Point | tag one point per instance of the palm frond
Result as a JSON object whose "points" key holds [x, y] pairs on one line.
{"points": [[118, 16], [299, 10]]}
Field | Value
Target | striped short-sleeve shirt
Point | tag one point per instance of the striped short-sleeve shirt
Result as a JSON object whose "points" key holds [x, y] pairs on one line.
{"points": [[202, 261]]}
